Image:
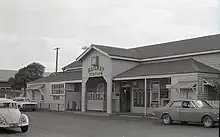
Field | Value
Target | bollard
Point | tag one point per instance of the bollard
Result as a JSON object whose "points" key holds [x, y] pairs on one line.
{"points": [[49, 107], [40, 105], [58, 107]]}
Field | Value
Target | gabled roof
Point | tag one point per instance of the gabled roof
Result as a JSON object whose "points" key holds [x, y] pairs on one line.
{"points": [[188, 46], [75, 64], [60, 76], [195, 45], [168, 67]]}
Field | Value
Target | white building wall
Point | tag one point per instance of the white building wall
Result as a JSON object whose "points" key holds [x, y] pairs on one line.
{"points": [[105, 62]]}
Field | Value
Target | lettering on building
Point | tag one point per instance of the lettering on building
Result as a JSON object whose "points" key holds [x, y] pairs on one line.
{"points": [[96, 71]]}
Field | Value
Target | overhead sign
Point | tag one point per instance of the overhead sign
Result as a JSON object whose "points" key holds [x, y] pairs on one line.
{"points": [[95, 71]]}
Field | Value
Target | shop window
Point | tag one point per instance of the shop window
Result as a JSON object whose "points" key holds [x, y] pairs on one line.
{"points": [[55, 97], [138, 97], [58, 89]]}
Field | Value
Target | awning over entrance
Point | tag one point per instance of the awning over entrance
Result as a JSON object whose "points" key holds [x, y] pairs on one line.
{"points": [[34, 87], [185, 85], [209, 81]]}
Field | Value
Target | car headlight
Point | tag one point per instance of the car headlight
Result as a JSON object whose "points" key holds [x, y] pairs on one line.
{"points": [[23, 119], [2, 121]]}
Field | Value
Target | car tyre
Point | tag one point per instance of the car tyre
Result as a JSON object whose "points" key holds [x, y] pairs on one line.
{"points": [[166, 119], [208, 122], [24, 129], [184, 122], [33, 109]]}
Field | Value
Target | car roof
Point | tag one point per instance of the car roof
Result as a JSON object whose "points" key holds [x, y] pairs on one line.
{"points": [[5, 100]]}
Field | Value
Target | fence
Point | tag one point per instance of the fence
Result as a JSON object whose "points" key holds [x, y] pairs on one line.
{"points": [[51, 106], [214, 103]]}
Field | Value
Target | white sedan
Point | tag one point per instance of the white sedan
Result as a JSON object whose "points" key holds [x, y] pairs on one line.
{"points": [[11, 117]]}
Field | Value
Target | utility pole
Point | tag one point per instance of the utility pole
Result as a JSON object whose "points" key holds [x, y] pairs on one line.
{"points": [[57, 52]]}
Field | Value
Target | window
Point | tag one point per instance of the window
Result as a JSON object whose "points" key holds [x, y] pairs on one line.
{"points": [[186, 104], [139, 97], [177, 104], [58, 89], [8, 105], [55, 97], [95, 61], [97, 93]]}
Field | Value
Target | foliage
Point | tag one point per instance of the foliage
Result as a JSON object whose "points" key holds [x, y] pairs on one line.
{"points": [[26, 74], [217, 85]]}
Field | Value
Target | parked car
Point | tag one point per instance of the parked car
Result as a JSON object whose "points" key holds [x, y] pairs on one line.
{"points": [[188, 111], [11, 117], [25, 104]]}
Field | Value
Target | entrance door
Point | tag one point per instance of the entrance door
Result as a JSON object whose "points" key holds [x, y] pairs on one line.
{"points": [[126, 99]]}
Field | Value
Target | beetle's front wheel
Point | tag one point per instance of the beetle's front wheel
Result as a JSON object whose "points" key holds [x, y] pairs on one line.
{"points": [[24, 129]]}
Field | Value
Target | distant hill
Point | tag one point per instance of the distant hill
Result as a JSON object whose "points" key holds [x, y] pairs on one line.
{"points": [[6, 74]]}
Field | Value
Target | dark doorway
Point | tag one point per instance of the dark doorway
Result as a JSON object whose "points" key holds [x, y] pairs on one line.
{"points": [[125, 101]]}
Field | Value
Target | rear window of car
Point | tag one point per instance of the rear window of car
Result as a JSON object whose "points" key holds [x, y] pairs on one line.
{"points": [[176, 104]]}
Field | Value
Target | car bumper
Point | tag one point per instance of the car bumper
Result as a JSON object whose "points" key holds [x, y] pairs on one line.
{"points": [[29, 107], [13, 125]]}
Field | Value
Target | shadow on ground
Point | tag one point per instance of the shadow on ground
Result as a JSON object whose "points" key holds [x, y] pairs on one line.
{"points": [[8, 131], [156, 122]]}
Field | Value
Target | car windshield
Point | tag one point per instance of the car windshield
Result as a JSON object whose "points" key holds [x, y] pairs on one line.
{"points": [[202, 104], [8, 105]]}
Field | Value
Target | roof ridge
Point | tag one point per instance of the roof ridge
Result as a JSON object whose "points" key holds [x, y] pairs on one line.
{"points": [[181, 40]]}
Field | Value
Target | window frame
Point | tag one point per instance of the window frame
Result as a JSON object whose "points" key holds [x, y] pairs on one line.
{"points": [[174, 102], [58, 85]]}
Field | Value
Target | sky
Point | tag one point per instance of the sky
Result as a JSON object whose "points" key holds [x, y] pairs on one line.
{"points": [[31, 29]]}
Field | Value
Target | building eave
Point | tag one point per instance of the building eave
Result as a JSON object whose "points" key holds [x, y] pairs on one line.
{"points": [[88, 50]]}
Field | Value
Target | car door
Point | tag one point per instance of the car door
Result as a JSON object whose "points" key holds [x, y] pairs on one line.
{"points": [[174, 110], [189, 112]]}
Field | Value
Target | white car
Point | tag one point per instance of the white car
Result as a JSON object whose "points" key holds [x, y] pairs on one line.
{"points": [[11, 117], [25, 103]]}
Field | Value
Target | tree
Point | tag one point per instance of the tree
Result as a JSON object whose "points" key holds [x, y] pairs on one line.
{"points": [[217, 87], [26, 74]]}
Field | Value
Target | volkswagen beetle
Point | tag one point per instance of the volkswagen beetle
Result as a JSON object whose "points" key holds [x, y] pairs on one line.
{"points": [[11, 117], [188, 111]]}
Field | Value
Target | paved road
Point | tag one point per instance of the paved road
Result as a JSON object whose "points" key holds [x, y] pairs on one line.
{"points": [[60, 124]]}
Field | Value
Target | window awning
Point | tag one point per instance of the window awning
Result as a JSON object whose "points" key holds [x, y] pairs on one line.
{"points": [[185, 85], [34, 87], [209, 81]]}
